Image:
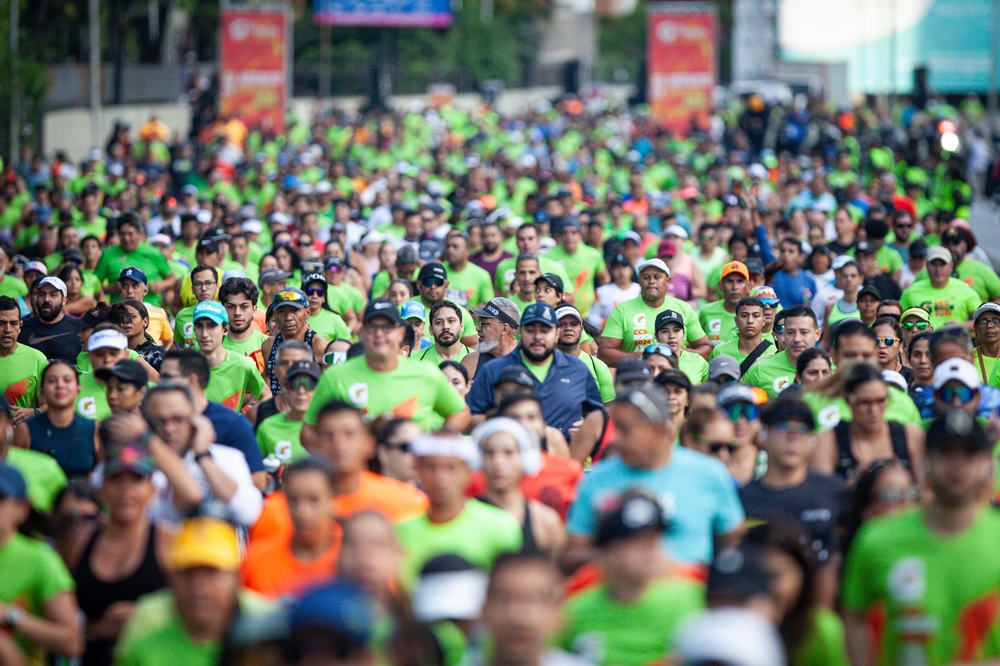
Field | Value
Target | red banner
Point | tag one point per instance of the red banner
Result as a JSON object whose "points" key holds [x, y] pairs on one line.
{"points": [[682, 54], [253, 76]]}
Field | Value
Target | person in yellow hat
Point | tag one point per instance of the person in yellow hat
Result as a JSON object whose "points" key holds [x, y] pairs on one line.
{"points": [[192, 616]]}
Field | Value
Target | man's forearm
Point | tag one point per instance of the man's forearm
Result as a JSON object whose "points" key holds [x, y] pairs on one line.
{"points": [[588, 436]]}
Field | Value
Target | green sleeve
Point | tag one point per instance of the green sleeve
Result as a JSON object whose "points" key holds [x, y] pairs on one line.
{"points": [[255, 380], [614, 326], [357, 299], [856, 593], [994, 379], [992, 281], [922, 275], [162, 267], [904, 299], [447, 400], [704, 369], [340, 330], [380, 284], [178, 333], [605, 382], [57, 578], [972, 300], [752, 377], [468, 323], [102, 269], [693, 329], [895, 260]]}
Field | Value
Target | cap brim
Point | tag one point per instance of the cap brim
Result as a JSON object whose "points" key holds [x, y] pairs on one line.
{"points": [[539, 320], [481, 313]]}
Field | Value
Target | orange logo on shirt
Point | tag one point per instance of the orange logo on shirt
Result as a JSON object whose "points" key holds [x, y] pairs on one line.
{"points": [[15, 391], [406, 409], [233, 401]]}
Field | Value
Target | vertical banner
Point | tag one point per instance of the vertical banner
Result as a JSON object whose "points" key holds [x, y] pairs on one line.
{"points": [[681, 42], [253, 73]]}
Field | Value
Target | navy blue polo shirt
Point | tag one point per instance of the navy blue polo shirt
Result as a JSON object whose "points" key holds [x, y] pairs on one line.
{"points": [[234, 430], [568, 393]]}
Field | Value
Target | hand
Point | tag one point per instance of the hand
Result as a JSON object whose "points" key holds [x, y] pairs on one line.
{"points": [[117, 615], [204, 434], [20, 414], [574, 429]]}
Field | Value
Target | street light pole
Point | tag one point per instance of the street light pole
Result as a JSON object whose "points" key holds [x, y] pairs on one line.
{"points": [[15, 83], [95, 73]]}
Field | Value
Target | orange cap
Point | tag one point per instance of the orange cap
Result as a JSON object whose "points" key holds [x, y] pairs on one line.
{"points": [[736, 267]]}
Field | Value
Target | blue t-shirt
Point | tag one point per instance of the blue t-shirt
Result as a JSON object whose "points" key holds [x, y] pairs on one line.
{"points": [[234, 430], [793, 290], [696, 492]]}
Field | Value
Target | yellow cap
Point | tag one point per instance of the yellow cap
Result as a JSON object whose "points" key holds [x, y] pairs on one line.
{"points": [[206, 542]]}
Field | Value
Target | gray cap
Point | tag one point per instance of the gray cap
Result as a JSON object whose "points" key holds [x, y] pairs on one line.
{"points": [[735, 393], [631, 370], [272, 275], [724, 365], [407, 255]]}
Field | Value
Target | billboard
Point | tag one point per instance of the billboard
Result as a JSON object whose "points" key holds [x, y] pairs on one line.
{"points": [[384, 13], [681, 38], [253, 68]]}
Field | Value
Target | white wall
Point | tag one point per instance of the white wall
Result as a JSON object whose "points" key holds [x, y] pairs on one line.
{"points": [[69, 129]]}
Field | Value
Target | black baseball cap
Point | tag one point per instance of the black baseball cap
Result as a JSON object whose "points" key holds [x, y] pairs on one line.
{"points": [[308, 368], [863, 247], [673, 377], [382, 307], [636, 514], [754, 266], [432, 270], [632, 370], [126, 370], [517, 374], [784, 410], [957, 429], [870, 291], [918, 248], [619, 260], [552, 279], [668, 317], [492, 311], [737, 574], [539, 312]]}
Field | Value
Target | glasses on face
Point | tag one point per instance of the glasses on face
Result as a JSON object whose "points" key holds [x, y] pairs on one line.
{"points": [[203, 285], [904, 225], [919, 325], [334, 358], [432, 282], [779, 329], [989, 323], [746, 410], [769, 302], [402, 447], [949, 393], [315, 291], [302, 382], [716, 448], [794, 428], [899, 495], [888, 342], [372, 327], [662, 350]]}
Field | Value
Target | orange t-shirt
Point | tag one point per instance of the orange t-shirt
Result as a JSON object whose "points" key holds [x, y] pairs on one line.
{"points": [[554, 485], [272, 569], [396, 500]]}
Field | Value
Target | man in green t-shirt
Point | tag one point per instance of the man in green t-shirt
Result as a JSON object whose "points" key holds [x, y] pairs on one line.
{"points": [[749, 328], [106, 346], [974, 273], [10, 285], [20, 365], [776, 373], [632, 616], [432, 285], [235, 380], [468, 285], [945, 298], [381, 381], [239, 297], [570, 332], [528, 242], [205, 286], [278, 435], [718, 318], [445, 320], [583, 264], [627, 330], [132, 251], [669, 327], [930, 571]]}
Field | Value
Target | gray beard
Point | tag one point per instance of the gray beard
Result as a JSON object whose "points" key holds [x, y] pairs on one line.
{"points": [[486, 346]]}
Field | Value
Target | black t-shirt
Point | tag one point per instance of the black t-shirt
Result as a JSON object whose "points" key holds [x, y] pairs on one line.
{"points": [[817, 503], [840, 248], [887, 288], [59, 340]]}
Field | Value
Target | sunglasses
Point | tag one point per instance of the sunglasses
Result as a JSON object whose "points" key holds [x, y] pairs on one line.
{"points": [[919, 325], [301, 382], [333, 358], [716, 448], [888, 342], [779, 329], [662, 350], [402, 447], [737, 409], [897, 496], [315, 291], [432, 282], [949, 393], [793, 427], [769, 302]]}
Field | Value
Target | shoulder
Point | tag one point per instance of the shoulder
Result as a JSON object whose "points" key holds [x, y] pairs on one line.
{"points": [[153, 612]]}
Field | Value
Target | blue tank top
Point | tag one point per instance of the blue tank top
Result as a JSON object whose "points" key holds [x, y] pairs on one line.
{"points": [[72, 447]]}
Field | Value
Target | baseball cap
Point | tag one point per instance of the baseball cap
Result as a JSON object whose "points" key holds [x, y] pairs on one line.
{"points": [[738, 574], [492, 310], [252, 227], [333, 264], [724, 365], [134, 274], [673, 377], [754, 266], [407, 255], [863, 247], [12, 485], [130, 457], [292, 297], [959, 429], [676, 230], [984, 308], [650, 401], [893, 378], [413, 310], [632, 370], [36, 266], [205, 542], [269, 275], [308, 368], [312, 277], [939, 253], [919, 313], [764, 293], [731, 636], [842, 260], [211, 310], [786, 409], [108, 338], [666, 249], [229, 275], [73, 256], [517, 374], [918, 248], [339, 607], [552, 279], [161, 240], [190, 189], [956, 369], [630, 236], [449, 588], [636, 514], [539, 312], [460, 446], [55, 282], [568, 311], [619, 260], [430, 250], [126, 370], [652, 263], [432, 270], [735, 393], [736, 267], [382, 307], [869, 290], [953, 235], [668, 317]]}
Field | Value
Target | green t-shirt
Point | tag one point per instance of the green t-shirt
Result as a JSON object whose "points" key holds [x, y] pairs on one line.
{"points": [[694, 366], [889, 260], [471, 287], [247, 347], [430, 354], [582, 267], [825, 644], [232, 379], [974, 273], [732, 348], [632, 322], [411, 391], [773, 374], [829, 412], [608, 633], [98, 228], [345, 298], [329, 325], [989, 363], [83, 361], [955, 302], [480, 533], [146, 258], [20, 375], [42, 475], [717, 322], [937, 595], [92, 403], [34, 575], [380, 284], [91, 284], [277, 435], [155, 636], [708, 266], [507, 271], [13, 286], [539, 371], [601, 373], [184, 328]]}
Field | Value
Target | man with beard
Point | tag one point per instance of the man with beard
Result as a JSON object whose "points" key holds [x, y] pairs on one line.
{"points": [[492, 252], [432, 285], [570, 332], [498, 323], [132, 251], [291, 314], [239, 296], [446, 327], [51, 331], [560, 380]]}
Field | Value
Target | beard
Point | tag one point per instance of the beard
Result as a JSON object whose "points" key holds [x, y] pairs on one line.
{"points": [[534, 357], [446, 339], [49, 314], [486, 346], [233, 328]]}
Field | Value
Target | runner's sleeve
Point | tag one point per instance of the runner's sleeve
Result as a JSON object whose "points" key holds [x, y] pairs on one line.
{"points": [[582, 520], [856, 591], [447, 401], [255, 381], [692, 326], [614, 327], [56, 578], [729, 513], [605, 382]]}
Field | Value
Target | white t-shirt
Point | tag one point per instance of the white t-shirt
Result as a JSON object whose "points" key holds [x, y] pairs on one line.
{"points": [[608, 296]]}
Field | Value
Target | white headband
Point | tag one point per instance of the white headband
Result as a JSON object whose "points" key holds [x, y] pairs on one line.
{"points": [[527, 441], [460, 447]]}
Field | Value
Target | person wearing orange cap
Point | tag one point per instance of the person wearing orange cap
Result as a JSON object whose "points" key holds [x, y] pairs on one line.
{"points": [[718, 318], [193, 616]]}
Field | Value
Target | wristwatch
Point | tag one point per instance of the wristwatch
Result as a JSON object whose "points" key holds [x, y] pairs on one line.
{"points": [[13, 616], [204, 454]]}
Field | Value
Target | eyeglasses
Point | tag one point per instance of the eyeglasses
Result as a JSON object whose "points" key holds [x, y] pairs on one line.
{"points": [[315, 291], [716, 448], [332, 358], [888, 342], [301, 382], [203, 285], [874, 403], [793, 427], [372, 327], [745, 409], [949, 393], [402, 447], [779, 329], [899, 496], [989, 323], [769, 302], [662, 350], [903, 225], [919, 325]]}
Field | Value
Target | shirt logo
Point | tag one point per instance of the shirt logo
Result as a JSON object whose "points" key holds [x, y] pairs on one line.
{"points": [[714, 325], [283, 451], [829, 417], [907, 581], [358, 394], [189, 330], [36, 339], [781, 383], [87, 406]]}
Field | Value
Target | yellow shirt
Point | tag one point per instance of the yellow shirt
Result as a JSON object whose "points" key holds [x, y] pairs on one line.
{"points": [[159, 325]]}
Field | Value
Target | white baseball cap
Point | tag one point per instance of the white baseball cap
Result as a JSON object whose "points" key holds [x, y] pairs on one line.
{"points": [[107, 338], [984, 308], [957, 369], [654, 263], [204, 216], [676, 230], [461, 447], [252, 227], [939, 253], [733, 636], [160, 240], [842, 260], [54, 282]]}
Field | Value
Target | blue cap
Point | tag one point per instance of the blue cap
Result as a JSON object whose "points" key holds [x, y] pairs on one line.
{"points": [[132, 273], [12, 483], [339, 606], [413, 310], [539, 312], [211, 310], [44, 214]]}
